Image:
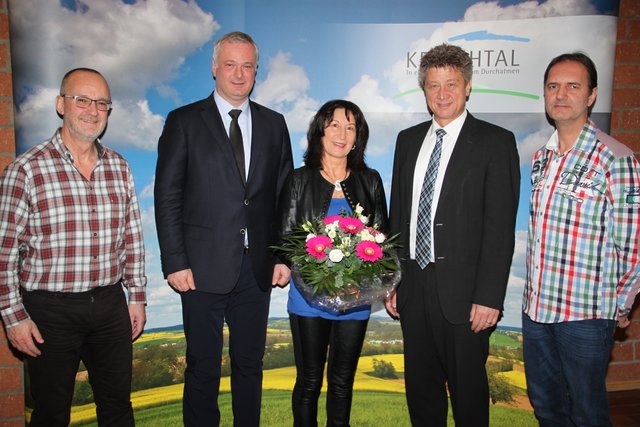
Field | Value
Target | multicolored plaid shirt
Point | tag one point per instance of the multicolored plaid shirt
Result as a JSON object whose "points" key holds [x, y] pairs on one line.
{"points": [[62, 232], [584, 230]]}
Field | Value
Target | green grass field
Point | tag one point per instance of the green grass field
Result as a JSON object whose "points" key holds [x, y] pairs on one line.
{"points": [[501, 339], [376, 402], [370, 408]]}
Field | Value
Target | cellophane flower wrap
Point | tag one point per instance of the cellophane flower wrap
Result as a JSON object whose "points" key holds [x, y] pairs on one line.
{"points": [[340, 262]]}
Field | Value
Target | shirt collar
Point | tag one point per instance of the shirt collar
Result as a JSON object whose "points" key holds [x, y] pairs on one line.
{"points": [[224, 107], [453, 128], [588, 129], [59, 144]]}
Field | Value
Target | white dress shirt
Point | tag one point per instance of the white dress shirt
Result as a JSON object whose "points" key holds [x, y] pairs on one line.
{"points": [[448, 143], [244, 120]]}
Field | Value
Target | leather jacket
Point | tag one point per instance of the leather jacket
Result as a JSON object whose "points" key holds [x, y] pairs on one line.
{"points": [[306, 194]]}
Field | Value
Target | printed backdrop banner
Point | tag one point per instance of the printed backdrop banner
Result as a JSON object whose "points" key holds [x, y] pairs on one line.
{"points": [[156, 55]]}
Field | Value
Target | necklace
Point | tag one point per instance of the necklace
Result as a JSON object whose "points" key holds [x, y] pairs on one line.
{"points": [[336, 182]]}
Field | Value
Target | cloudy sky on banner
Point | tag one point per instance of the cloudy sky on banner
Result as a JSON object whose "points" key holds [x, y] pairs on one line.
{"points": [[156, 55]]}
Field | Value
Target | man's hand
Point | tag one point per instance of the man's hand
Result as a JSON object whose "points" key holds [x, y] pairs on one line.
{"points": [[138, 319], [182, 280], [281, 275], [482, 317], [390, 303], [623, 321], [22, 337]]}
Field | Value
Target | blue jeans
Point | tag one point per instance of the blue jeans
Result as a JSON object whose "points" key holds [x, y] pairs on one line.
{"points": [[566, 366]]}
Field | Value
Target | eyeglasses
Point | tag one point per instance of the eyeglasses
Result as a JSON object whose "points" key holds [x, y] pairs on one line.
{"points": [[84, 102]]}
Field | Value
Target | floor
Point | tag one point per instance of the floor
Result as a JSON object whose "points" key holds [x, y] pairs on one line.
{"points": [[625, 408]]}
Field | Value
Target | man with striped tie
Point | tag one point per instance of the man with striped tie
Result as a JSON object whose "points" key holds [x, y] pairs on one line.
{"points": [[454, 198]]}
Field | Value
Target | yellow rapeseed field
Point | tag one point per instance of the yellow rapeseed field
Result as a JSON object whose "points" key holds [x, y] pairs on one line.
{"points": [[281, 379], [284, 378], [515, 378], [274, 379], [169, 335]]}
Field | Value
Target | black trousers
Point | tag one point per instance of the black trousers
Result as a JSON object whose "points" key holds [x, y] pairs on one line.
{"points": [[245, 310], [440, 355], [311, 338], [94, 327]]}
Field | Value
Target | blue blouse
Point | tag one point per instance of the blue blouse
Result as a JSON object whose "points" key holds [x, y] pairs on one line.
{"points": [[299, 306]]}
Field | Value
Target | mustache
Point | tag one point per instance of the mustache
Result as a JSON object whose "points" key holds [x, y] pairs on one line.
{"points": [[88, 118]]}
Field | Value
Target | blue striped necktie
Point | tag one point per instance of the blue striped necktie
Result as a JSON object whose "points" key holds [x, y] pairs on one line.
{"points": [[424, 235]]}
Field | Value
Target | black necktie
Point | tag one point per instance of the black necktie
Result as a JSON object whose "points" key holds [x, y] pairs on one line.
{"points": [[235, 135]]}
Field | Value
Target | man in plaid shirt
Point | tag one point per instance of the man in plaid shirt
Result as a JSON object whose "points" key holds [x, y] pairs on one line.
{"points": [[583, 270], [71, 239]]}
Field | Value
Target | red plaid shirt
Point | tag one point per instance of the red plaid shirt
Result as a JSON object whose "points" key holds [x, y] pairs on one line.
{"points": [[62, 232]]}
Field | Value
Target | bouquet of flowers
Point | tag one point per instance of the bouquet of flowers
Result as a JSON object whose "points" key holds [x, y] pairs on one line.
{"points": [[340, 262]]}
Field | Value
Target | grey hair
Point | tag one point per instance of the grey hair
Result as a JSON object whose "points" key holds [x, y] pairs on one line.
{"points": [[233, 37], [446, 55]]}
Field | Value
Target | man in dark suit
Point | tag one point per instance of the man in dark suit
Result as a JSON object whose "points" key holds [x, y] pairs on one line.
{"points": [[221, 164], [454, 198]]}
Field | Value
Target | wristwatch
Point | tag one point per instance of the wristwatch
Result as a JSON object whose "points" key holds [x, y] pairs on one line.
{"points": [[624, 311]]}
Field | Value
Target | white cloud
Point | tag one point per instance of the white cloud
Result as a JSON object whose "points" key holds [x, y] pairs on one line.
{"points": [[285, 90], [149, 230], [302, 143], [366, 93], [147, 190], [492, 11], [379, 112], [279, 298], [169, 92], [284, 82], [531, 143], [133, 124], [135, 46], [517, 277], [36, 116]]}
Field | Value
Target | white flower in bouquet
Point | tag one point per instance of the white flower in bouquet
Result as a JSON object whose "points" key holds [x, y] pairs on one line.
{"points": [[366, 235], [336, 255], [340, 262], [380, 237]]}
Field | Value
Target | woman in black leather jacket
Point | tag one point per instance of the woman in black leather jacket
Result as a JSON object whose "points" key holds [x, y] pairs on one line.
{"points": [[335, 177]]}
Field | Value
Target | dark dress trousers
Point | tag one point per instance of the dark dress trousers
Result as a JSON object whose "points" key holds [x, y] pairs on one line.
{"points": [[474, 227], [202, 209]]}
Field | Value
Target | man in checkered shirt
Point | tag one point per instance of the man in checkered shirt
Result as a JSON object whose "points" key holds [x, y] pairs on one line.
{"points": [[71, 239], [583, 267]]}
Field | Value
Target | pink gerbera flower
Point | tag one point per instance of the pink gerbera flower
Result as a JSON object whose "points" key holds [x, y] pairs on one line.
{"points": [[369, 251], [351, 225], [331, 219], [317, 245]]}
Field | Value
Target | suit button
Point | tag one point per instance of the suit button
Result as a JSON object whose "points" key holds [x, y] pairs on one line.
{"points": [[242, 231], [246, 202]]}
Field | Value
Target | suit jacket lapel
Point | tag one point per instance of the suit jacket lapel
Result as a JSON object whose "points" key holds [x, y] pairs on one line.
{"points": [[461, 155], [258, 126], [410, 159]]}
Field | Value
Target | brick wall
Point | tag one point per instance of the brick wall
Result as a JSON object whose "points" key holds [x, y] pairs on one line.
{"points": [[624, 370], [11, 373]]}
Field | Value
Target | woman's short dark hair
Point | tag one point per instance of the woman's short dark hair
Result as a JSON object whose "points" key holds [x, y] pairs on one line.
{"points": [[355, 160]]}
